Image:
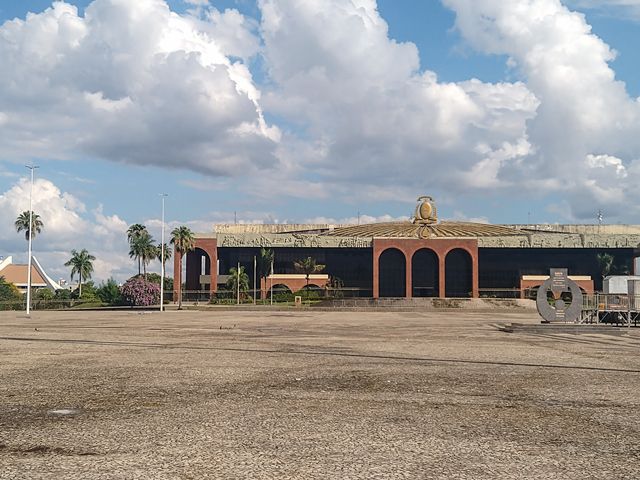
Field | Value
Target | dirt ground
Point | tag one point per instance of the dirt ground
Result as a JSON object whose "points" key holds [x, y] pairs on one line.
{"points": [[318, 395]]}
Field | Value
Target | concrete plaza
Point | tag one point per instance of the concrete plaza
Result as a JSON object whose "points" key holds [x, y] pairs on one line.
{"points": [[297, 395]]}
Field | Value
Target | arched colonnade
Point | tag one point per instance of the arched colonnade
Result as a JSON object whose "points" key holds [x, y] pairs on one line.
{"points": [[425, 268]]}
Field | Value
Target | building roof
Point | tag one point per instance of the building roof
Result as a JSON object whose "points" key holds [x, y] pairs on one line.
{"points": [[425, 224], [17, 274], [418, 230]]}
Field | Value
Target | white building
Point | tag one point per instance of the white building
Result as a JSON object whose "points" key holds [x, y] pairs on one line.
{"points": [[16, 273]]}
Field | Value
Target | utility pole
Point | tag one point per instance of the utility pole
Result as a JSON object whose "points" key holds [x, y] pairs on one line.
{"points": [[32, 168], [163, 195]]}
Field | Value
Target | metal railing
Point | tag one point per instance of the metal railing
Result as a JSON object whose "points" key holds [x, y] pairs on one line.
{"points": [[610, 308]]}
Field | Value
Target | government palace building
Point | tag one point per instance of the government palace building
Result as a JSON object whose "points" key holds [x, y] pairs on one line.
{"points": [[423, 257]]}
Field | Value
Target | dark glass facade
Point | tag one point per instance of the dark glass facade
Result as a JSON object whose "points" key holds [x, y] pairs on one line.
{"points": [[503, 267]]}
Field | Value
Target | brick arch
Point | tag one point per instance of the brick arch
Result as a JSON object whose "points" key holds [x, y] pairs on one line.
{"points": [[293, 284], [278, 286], [463, 283], [420, 278], [210, 247], [386, 279], [441, 246]]}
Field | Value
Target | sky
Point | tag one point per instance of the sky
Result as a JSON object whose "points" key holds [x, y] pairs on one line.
{"points": [[293, 111]]}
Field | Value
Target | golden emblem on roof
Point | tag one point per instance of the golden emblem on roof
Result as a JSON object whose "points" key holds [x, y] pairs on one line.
{"points": [[426, 212]]}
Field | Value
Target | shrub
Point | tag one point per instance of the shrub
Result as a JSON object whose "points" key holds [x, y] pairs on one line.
{"points": [[43, 299], [309, 293], [155, 278], [109, 293], [282, 297], [10, 296], [140, 293]]}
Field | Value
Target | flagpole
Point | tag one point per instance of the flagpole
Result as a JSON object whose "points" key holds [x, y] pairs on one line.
{"points": [[32, 168], [255, 268], [163, 195], [271, 282]]}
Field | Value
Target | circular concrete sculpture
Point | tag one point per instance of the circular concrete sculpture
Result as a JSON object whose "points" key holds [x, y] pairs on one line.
{"points": [[559, 282]]}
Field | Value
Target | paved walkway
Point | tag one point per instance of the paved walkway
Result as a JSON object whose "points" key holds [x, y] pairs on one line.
{"points": [[191, 395]]}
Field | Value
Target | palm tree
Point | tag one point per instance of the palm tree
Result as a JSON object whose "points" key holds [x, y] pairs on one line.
{"points": [[143, 249], [234, 278], [183, 241], [308, 266], [81, 263], [22, 224], [265, 260], [605, 261], [134, 232], [167, 255]]}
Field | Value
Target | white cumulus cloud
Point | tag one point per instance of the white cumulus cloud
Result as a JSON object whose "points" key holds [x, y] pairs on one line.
{"points": [[67, 226], [132, 82], [370, 114]]}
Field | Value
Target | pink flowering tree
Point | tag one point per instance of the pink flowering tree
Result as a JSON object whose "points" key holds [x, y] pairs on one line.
{"points": [[140, 293]]}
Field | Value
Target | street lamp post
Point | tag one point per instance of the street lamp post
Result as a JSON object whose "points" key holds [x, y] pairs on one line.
{"points": [[32, 168], [163, 195]]}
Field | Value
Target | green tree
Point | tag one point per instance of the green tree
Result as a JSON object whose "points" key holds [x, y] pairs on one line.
{"points": [[167, 256], [8, 291], [234, 278], [22, 224], [155, 278], [134, 232], [265, 260], [81, 264], [183, 241], [62, 295], [308, 266], [10, 296], [142, 248], [44, 298], [605, 262], [89, 292], [109, 292]]}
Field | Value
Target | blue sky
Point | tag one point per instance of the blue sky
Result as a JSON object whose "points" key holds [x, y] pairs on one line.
{"points": [[316, 111]]}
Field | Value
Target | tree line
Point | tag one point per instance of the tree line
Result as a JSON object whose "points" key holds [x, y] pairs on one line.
{"points": [[142, 248]]}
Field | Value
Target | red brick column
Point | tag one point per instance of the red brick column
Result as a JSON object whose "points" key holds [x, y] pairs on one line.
{"points": [[442, 278], [475, 277], [177, 270], [376, 270], [409, 275]]}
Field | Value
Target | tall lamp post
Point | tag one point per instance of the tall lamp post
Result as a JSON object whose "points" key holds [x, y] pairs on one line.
{"points": [[163, 196], [32, 168]]}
